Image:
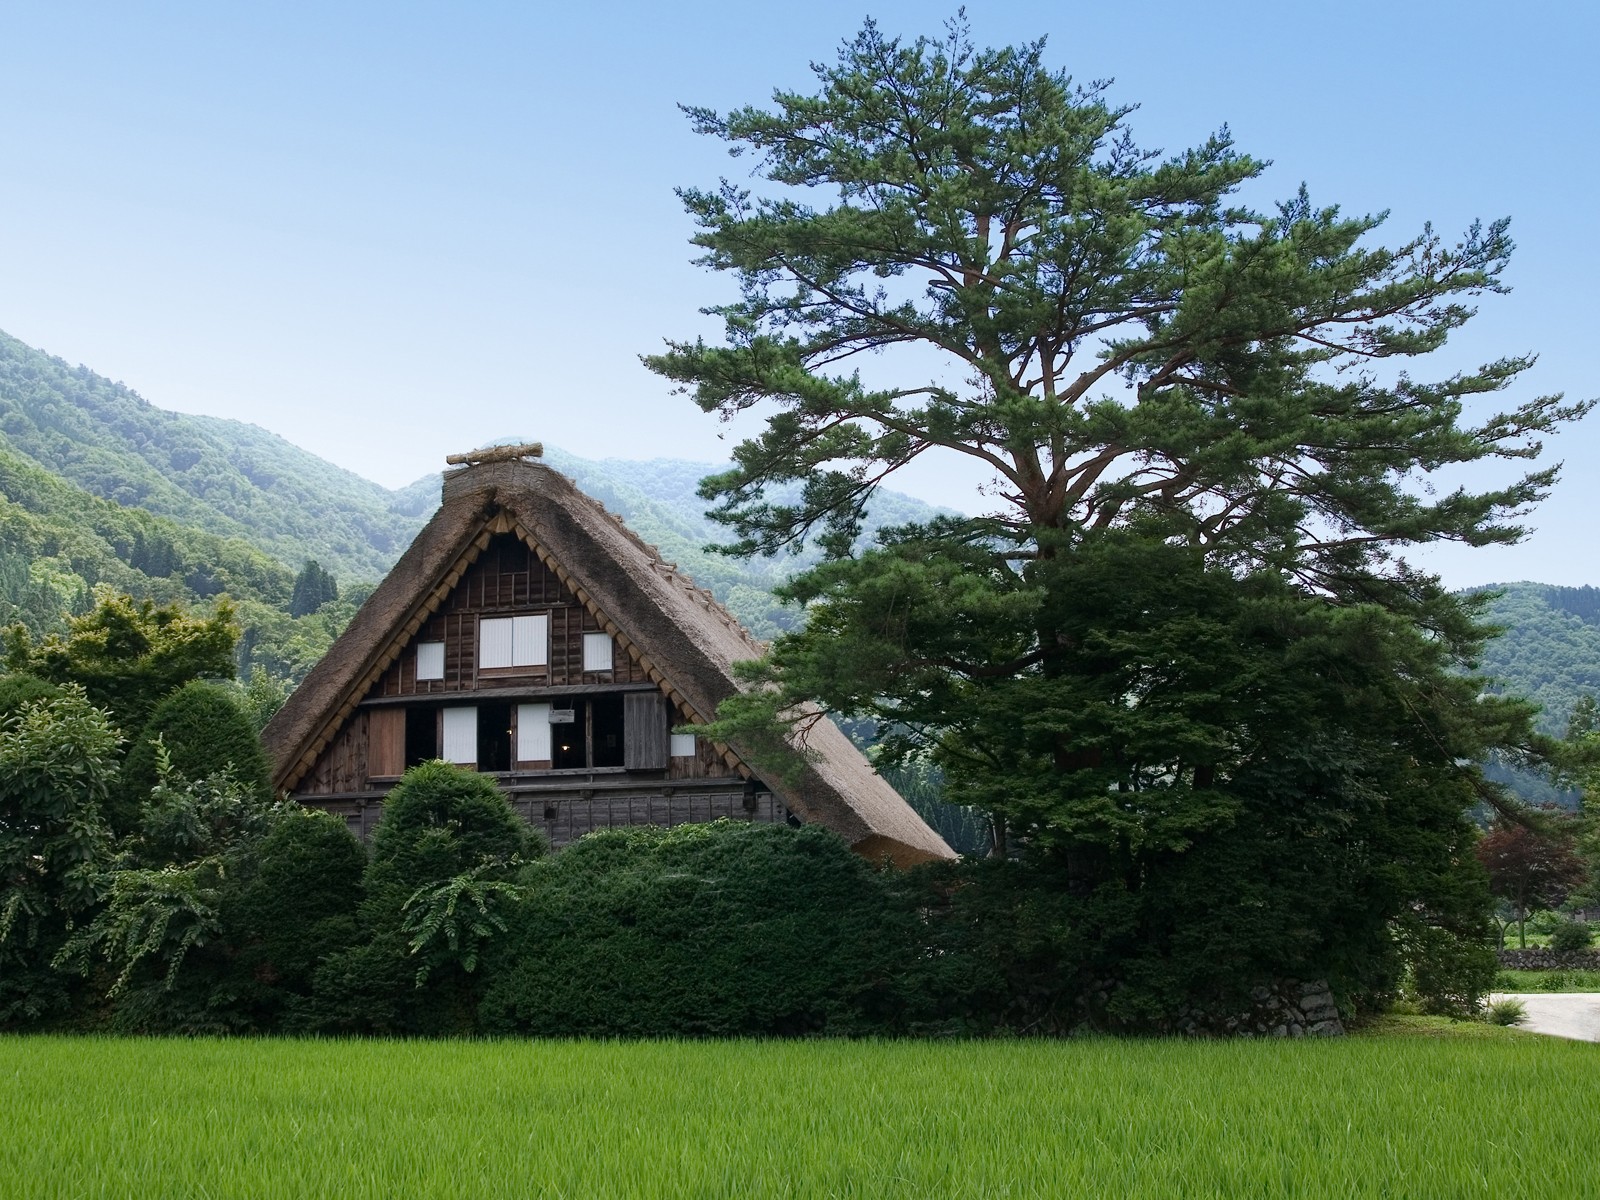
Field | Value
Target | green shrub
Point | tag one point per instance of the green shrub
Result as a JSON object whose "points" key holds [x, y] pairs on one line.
{"points": [[718, 930], [204, 728], [1506, 1012], [439, 822], [1569, 937], [17, 690], [296, 905]]}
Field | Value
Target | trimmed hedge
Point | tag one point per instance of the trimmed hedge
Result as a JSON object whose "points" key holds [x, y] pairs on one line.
{"points": [[719, 930], [204, 728]]}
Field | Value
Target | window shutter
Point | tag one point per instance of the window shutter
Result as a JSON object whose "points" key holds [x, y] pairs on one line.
{"points": [[430, 660], [533, 733], [530, 641], [386, 741], [644, 731], [461, 736], [597, 652], [494, 642]]}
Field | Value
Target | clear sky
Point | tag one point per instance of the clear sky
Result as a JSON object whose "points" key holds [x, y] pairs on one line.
{"points": [[392, 231]]}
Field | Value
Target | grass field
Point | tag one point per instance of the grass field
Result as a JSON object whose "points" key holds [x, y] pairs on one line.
{"points": [[1547, 981], [1498, 1114]]}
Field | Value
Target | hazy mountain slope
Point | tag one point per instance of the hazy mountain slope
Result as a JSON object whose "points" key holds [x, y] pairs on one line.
{"points": [[57, 541], [233, 479], [1550, 651]]}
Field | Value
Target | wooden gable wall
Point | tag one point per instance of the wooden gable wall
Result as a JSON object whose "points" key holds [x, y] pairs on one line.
{"points": [[507, 579]]}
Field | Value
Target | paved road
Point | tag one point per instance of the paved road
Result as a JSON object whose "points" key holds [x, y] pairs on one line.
{"points": [[1560, 1014]]}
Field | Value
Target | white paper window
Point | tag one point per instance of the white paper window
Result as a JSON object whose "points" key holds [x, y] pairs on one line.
{"points": [[513, 641], [533, 733], [683, 745], [597, 652], [461, 735], [430, 660]]}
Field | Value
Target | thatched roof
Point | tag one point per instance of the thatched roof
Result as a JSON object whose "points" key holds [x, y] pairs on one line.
{"points": [[685, 640]]}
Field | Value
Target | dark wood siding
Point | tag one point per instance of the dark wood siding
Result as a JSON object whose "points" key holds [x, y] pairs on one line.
{"points": [[507, 580], [386, 741], [644, 731]]}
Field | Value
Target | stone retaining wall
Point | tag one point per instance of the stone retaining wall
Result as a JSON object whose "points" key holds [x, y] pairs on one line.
{"points": [[1542, 958], [1289, 1008]]}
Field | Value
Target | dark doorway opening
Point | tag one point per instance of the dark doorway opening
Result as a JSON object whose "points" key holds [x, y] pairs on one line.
{"points": [[605, 731], [592, 738], [422, 734], [494, 737], [569, 722]]}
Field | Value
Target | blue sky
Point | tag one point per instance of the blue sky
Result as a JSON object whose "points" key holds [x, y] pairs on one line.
{"points": [[388, 232]]}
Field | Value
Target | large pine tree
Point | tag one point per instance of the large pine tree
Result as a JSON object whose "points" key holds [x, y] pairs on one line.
{"points": [[1183, 653]]}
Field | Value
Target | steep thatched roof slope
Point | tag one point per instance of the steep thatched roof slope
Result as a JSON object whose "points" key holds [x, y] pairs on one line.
{"points": [[685, 639]]}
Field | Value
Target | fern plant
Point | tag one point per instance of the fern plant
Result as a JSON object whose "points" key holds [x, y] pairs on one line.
{"points": [[452, 921]]}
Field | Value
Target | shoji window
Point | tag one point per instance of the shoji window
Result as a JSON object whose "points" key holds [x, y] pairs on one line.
{"points": [[430, 660], [513, 642], [597, 652], [683, 745], [533, 733], [461, 735]]}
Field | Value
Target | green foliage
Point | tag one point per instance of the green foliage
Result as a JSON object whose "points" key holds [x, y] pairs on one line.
{"points": [[1549, 651], [456, 919], [127, 654], [444, 830], [17, 690], [202, 727], [1508, 1011], [57, 766], [57, 542], [719, 930], [151, 916], [1184, 660], [313, 588], [1571, 935]]}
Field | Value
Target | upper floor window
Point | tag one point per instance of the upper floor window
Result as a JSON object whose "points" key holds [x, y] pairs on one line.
{"points": [[430, 660], [597, 652], [513, 642]]}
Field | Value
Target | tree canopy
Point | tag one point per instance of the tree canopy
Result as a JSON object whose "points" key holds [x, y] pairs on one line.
{"points": [[1186, 625]]}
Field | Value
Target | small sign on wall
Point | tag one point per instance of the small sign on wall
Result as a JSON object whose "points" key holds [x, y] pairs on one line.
{"points": [[562, 716]]}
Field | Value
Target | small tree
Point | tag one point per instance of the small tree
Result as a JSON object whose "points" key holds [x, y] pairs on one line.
{"points": [[1529, 869], [313, 587], [203, 728], [57, 764], [127, 654]]}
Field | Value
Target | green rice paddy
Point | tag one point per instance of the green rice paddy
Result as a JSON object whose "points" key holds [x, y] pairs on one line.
{"points": [[1498, 1115]]}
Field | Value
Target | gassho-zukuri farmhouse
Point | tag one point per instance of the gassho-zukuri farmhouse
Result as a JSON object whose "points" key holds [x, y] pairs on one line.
{"points": [[528, 634]]}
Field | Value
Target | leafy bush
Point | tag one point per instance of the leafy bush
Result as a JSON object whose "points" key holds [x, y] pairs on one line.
{"points": [[57, 765], [17, 690], [1571, 936], [439, 823], [204, 728], [294, 907], [726, 929], [1506, 1012]]}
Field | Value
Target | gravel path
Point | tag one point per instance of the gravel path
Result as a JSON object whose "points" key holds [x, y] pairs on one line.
{"points": [[1560, 1014]]}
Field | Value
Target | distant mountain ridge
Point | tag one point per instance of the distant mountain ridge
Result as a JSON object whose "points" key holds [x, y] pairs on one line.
{"points": [[238, 481], [225, 477]]}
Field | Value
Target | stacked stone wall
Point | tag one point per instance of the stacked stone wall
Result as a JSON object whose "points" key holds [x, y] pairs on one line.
{"points": [[1542, 958]]}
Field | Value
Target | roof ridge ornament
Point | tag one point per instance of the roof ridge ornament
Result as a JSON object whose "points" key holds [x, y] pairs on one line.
{"points": [[496, 454]]}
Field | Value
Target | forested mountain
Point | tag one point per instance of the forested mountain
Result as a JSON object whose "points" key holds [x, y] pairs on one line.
{"points": [[1550, 651], [225, 477]]}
